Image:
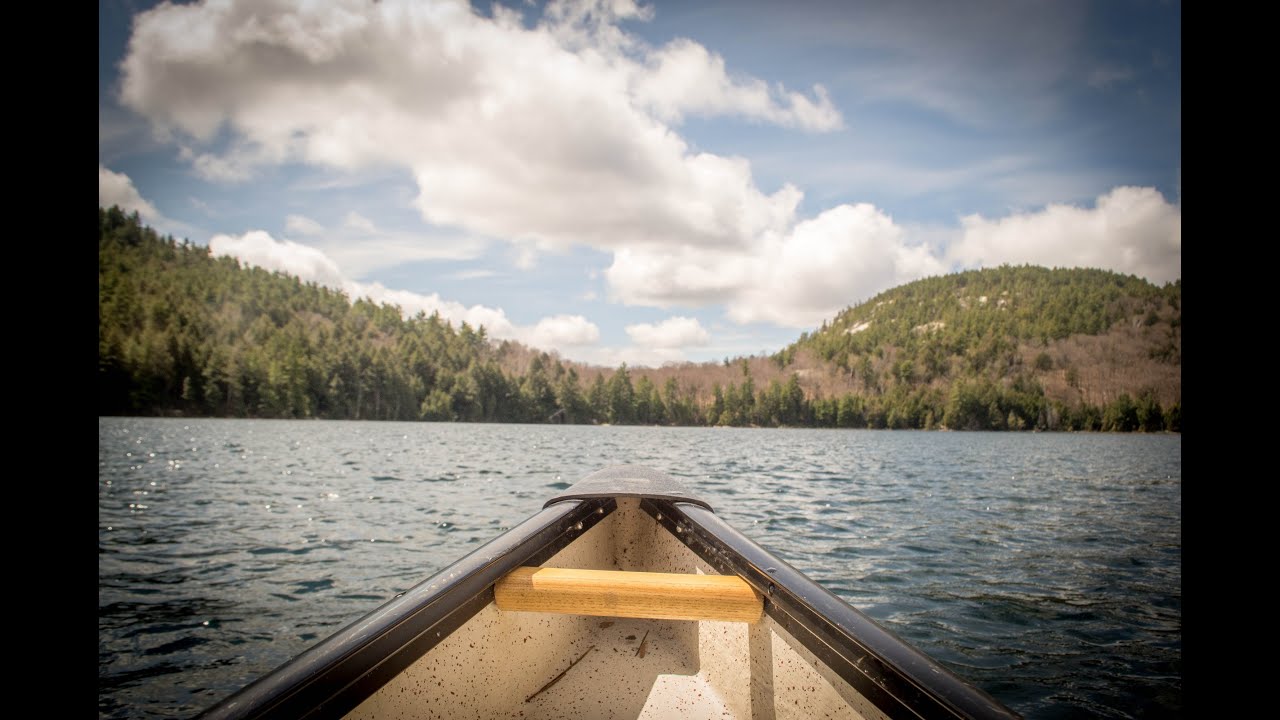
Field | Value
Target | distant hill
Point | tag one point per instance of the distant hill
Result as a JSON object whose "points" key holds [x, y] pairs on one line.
{"points": [[183, 333]]}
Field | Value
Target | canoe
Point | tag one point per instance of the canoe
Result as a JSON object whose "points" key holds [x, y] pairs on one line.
{"points": [[624, 597]]}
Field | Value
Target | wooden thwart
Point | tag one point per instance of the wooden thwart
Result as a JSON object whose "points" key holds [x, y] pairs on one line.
{"points": [[610, 593]]}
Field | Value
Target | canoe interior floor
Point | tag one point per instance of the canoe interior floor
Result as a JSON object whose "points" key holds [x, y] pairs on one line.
{"points": [[613, 681], [499, 664]]}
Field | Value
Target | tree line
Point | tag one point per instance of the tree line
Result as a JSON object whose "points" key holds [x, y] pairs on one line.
{"points": [[183, 333]]}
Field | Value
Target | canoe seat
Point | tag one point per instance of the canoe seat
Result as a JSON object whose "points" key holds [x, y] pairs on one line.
{"points": [[613, 593]]}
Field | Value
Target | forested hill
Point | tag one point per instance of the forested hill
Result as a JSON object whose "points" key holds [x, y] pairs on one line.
{"points": [[1010, 341], [180, 332], [971, 312], [183, 333]]}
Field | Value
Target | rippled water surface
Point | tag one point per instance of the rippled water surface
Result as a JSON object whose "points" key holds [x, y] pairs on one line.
{"points": [[1044, 568]]}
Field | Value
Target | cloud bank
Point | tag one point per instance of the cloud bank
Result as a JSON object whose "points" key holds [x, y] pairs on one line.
{"points": [[566, 133], [550, 136], [1130, 229], [560, 134]]}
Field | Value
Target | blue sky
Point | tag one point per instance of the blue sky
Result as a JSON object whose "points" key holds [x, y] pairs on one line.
{"points": [[649, 182]]}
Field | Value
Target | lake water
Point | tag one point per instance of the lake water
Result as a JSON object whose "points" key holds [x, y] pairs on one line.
{"points": [[1044, 568]]}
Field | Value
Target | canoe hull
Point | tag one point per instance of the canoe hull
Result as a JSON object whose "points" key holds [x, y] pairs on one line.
{"points": [[495, 665], [444, 649]]}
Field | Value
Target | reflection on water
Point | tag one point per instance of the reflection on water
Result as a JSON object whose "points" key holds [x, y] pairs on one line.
{"points": [[1046, 569]]}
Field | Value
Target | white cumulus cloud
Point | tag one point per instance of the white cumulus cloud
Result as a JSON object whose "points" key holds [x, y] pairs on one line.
{"points": [[796, 279], [564, 331], [844, 255], [1130, 229], [117, 189], [557, 134], [674, 332], [259, 248]]}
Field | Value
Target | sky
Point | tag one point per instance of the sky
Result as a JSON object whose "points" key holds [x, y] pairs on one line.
{"points": [[647, 182]]}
